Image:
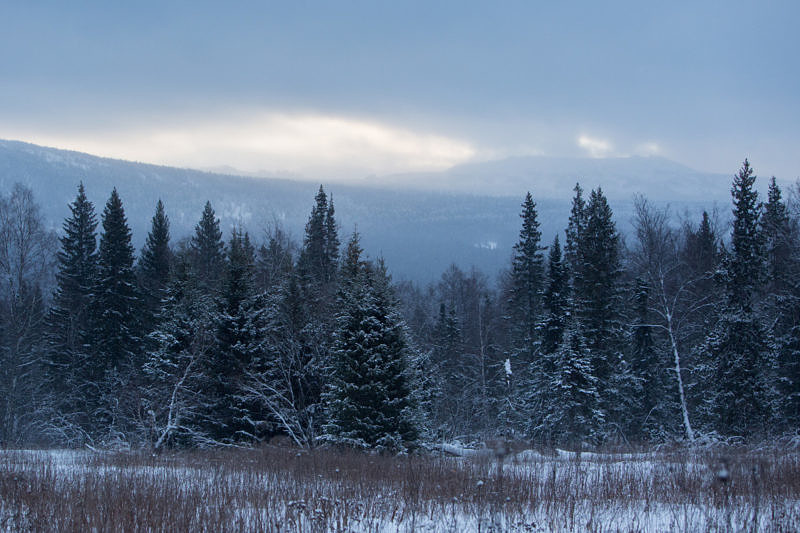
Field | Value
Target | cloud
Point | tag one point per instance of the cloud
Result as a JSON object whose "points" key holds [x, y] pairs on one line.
{"points": [[648, 148], [595, 147], [312, 144]]}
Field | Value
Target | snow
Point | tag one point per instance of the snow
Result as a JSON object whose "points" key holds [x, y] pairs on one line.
{"points": [[319, 507]]}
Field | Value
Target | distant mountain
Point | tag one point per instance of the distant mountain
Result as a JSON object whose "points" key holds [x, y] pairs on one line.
{"points": [[554, 178], [418, 232]]}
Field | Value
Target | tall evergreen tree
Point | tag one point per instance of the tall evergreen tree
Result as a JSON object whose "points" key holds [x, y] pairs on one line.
{"points": [[598, 305], [207, 250], [76, 277], [556, 303], [781, 306], [736, 348], [368, 400], [154, 266], [779, 237], [574, 414], [231, 353], [745, 267], [597, 274], [319, 257], [175, 385], [331, 243], [575, 227], [527, 279], [116, 333]]}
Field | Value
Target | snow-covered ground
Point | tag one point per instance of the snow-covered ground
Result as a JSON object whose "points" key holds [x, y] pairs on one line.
{"points": [[290, 490]]}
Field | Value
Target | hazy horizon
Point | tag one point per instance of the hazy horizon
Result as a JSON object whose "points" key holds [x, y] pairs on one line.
{"points": [[319, 91]]}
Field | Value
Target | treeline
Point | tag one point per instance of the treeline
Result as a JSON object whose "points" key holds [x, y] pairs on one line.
{"points": [[685, 332]]}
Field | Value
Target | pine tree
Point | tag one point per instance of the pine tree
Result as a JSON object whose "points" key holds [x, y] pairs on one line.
{"points": [[778, 235], [231, 353], [781, 306], [116, 325], [527, 273], [368, 400], [574, 414], [654, 407], [446, 361], [207, 250], [556, 302], [154, 266], [331, 243], [575, 228], [175, 386], [598, 305], [318, 261], [275, 261], [597, 295], [76, 278], [736, 348], [116, 317]]}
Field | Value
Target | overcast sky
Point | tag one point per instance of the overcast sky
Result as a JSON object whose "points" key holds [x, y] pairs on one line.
{"points": [[351, 88]]}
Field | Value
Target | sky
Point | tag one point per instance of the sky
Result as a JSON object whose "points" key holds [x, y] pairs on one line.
{"points": [[348, 89]]}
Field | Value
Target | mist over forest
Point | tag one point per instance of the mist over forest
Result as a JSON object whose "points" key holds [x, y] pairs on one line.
{"points": [[679, 325]]}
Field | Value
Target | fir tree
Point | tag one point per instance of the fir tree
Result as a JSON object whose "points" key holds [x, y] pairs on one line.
{"points": [[331, 243], [319, 257], [232, 350], [154, 265], [175, 386], [207, 250], [653, 398], [598, 305], [76, 278], [116, 323], [778, 236], [745, 268], [556, 303], [574, 414], [574, 232], [368, 399], [597, 295], [527, 273], [736, 348]]}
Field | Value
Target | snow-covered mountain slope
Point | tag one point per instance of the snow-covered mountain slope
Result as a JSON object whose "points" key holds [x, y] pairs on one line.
{"points": [[418, 232]]}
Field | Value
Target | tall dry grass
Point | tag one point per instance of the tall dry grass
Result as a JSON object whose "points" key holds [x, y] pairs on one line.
{"points": [[278, 489]]}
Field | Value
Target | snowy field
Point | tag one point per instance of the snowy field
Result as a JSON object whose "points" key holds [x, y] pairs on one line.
{"points": [[276, 489]]}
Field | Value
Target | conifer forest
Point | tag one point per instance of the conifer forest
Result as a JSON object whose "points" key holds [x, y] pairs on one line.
{"points": [[683, 331]]}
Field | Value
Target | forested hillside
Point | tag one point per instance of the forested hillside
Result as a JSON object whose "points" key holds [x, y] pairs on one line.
{"points": [[678, 332]]}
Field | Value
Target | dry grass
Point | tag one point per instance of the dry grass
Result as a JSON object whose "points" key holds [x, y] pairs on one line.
{"points": [[276, 489]]}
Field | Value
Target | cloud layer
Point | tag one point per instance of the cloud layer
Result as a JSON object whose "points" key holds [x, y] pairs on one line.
{"points": [[257, 141]]}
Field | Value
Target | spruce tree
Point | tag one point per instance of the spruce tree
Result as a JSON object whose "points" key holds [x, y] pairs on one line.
{"points": [[331, 243], [575, 227], [598, 304], [68, 322], [207, 251], [527, 279], [154, 266], [736, 348], [653, 414], [556, 301], [175, 385], [117, 332], [368, 401], [597, 274], [231, 352], [574, 414], [745, 268], [778, 236]]}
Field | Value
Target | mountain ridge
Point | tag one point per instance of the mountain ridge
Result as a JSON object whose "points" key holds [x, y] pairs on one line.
{"points": [[418, 232]]}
